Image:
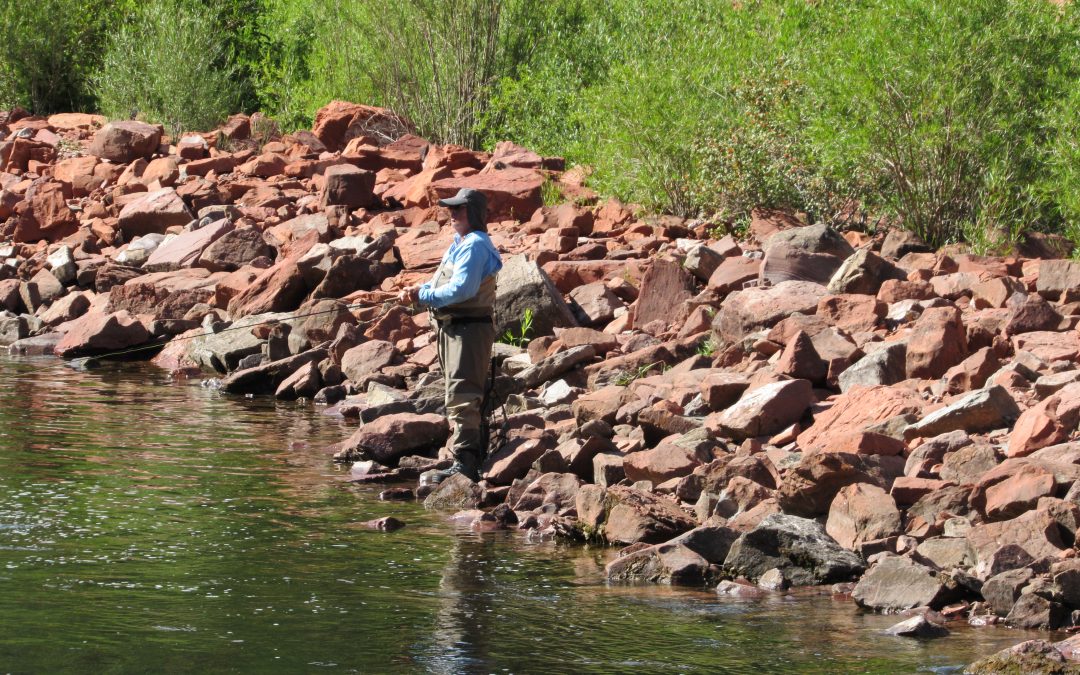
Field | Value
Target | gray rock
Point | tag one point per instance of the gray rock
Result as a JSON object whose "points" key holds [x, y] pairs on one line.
{"points": [[523, 285], [799, 547], [556, 365], [899, 243], [1034, 611], [668, 563], [767, 410], [881, 366], [222, 351], [36, 345], [455, 493], [1002, 590], [702, 261], [811, 253], [710, 542], [12, 329], [895, 584], [266, 378], [946, 553], [62, 264], [982, 410], [918, 626], [863, 272]]}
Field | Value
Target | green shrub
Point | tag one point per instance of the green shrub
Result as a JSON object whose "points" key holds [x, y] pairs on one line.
{"points": [[169, 65], [48, 50], [947, 102]]}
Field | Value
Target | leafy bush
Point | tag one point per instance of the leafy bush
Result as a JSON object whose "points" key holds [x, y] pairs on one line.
{"points": [[48, 50], [947, 103], [169, 65]]}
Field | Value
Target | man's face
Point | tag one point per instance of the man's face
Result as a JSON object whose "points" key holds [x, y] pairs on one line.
{"points": [[459, 218]]}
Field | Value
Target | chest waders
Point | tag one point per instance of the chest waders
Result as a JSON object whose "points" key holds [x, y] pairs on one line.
{"points": [[466, 334]]}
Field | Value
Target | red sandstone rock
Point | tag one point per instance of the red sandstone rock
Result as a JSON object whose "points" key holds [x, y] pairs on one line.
{"points": [[862, 512], [97, 333], [937, 343], [153, 212], [125, 141]]}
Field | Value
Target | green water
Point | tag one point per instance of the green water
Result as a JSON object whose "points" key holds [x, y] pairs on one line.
{"points": [[156, 526]]}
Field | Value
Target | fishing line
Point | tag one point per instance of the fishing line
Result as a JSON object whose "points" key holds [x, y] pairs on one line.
{"points": [[84, 361]]}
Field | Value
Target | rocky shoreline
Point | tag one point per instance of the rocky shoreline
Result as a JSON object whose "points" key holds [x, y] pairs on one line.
{"points": [[799, 407]]}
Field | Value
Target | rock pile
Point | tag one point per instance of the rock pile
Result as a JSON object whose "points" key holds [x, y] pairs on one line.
{"points": [[803, 407]]}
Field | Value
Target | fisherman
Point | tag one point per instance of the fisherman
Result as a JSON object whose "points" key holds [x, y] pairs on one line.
{"points": [[461, 301]]}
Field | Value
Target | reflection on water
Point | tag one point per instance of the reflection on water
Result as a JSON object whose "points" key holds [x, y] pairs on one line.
{"points": [[147, 525]]}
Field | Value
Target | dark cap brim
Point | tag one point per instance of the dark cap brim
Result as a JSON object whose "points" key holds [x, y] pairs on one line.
{"points": [[453, 201]]}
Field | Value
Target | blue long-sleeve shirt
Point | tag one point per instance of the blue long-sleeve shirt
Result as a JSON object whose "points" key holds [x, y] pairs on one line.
{"points": [[473, 258]]}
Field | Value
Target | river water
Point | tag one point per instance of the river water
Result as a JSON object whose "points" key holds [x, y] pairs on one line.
{"points": [[152, 525]]}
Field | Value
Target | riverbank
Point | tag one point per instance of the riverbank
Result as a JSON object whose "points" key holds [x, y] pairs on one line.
{"points": [[799, 407]]}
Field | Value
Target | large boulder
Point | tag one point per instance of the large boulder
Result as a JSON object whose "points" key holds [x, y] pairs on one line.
{"points": [[748, 311], [125, 141], [1032, 656], [338, 122], [811, 253], [624, 515], [938, 342], [220, 351], [280, 288], [99, 333], [856, 410], [234, 249], [44, 214], [861, 513], [667, 563], [512, 193], [798, 547], [896, 584], [266, 378], [153, 212], [982, 410], [522, 286], [863, 272], [349, 186], [391, 437], [809, 488], [185, 249], [766, 410], [665, 286]]}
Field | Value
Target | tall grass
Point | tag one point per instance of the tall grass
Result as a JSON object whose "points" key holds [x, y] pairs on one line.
{"points": [[169, 64]]}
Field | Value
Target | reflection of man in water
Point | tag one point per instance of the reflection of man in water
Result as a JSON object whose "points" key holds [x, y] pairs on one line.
{"points": [[464, 619]]}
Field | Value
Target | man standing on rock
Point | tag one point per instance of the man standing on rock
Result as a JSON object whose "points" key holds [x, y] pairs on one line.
{"points": [[461, 301]]}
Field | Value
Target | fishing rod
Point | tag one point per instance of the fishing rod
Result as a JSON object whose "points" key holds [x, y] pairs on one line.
{"points": [[87, 361]]}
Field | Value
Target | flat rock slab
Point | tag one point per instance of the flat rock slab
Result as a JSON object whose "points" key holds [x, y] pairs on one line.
{"points": [[895, 584], [766, 410]]}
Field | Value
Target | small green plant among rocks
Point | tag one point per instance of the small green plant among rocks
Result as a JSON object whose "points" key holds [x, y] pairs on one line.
{"points": [[521, 338]]}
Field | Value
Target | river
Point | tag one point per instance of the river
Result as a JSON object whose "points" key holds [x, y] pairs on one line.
{"points": [[153, 525]]}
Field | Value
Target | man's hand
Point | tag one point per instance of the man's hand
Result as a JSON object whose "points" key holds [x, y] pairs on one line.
{"points": [[410, 295]]}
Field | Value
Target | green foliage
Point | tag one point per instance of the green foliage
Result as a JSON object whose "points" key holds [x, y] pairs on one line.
{"points": [[947, 103], [521, 337], [707, 347], [169, 65], [48, 50], [958, 120]]}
